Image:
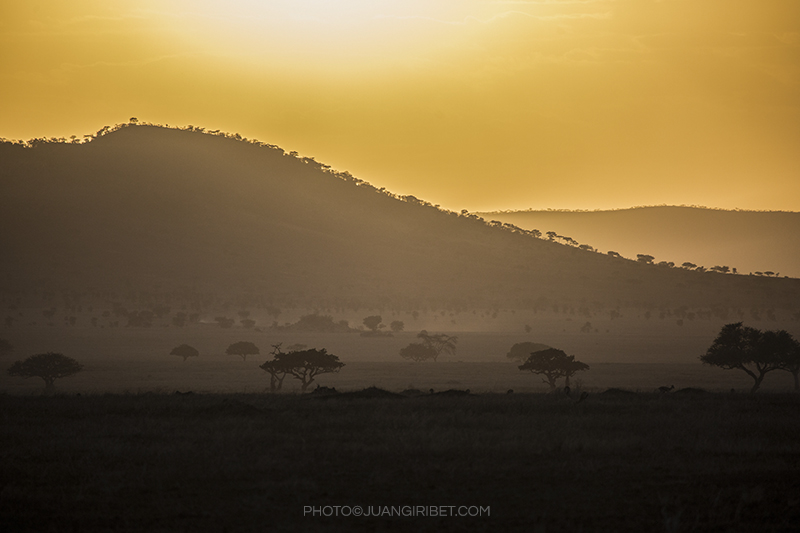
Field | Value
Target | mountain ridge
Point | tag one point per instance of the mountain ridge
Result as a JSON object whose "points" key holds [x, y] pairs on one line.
{"points": [[158, 210], [753, 241]]}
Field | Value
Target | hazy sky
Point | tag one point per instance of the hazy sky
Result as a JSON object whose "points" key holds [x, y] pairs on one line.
{"points": [[470, 104]]}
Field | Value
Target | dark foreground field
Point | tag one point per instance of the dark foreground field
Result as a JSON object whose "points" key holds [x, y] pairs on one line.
{"points": [[685, 461]]}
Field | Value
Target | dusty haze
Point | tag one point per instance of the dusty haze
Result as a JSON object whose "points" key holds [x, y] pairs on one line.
{"points": [[750, 241]]}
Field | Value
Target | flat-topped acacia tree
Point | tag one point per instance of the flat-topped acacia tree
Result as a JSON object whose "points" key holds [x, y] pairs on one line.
{"points": [[553, 364], [185, 351], [303, 365], [48, 366], [753, 351], [242, 349]]}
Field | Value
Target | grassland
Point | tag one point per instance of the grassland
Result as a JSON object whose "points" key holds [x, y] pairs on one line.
{"points": [[685, 461]]}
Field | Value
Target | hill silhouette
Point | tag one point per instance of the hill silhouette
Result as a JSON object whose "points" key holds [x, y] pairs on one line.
{"points": [[149, 209], [751, 241]]}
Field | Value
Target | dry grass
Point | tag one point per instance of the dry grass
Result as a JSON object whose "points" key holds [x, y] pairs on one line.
{"points": [[641, 462]]}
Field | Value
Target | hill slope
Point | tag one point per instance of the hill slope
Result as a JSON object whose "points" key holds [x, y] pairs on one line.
{"points": [[748, 240], [184, 213]]}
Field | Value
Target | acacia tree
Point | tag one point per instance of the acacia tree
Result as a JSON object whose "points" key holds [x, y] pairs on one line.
{"points": [[438, 342], [242, 349], [417, 351], [522, 350], [185, 351], [304, 365], [747, 349], [787, 350], [275, 368], [48, 366], [553, 364]]}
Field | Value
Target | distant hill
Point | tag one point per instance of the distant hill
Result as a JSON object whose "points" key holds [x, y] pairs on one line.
{"points": [[751, 241], [150, 212]]}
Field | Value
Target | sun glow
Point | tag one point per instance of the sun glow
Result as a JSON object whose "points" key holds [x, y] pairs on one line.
{"points": [[477, 104], [338, 34]]}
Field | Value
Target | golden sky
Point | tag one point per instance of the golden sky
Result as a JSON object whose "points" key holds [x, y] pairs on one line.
{"points": [[506, 104]]}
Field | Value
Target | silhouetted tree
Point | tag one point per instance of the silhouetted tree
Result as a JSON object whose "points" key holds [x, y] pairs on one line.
{"points": [[553, 364], [275, 368], [747, 349], [397, 326], [417, 351], [185, 351], [48, 366], [242, 349], [373, 322], [303, 365], [787, 349], [438, 342], [644, 258], [522, 350]]}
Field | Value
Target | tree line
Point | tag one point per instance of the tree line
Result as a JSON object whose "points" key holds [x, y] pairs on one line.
{"points": [[737, 346]]}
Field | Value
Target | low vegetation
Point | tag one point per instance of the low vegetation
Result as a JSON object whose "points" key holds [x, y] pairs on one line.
{"points": [[615, 462]]}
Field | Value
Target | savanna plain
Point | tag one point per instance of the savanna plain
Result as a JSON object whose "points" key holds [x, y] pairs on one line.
{"points": [[143, 441]]}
